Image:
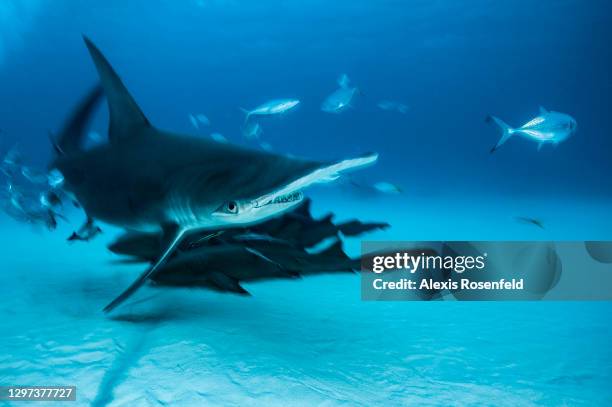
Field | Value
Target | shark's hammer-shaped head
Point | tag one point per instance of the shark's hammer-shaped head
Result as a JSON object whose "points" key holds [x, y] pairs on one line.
{"points": [[245, 190], [243, 212], [221, 198]]}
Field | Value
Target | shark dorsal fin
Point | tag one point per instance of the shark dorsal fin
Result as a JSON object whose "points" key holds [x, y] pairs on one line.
{"points": [[543, 110], [126, 118]]}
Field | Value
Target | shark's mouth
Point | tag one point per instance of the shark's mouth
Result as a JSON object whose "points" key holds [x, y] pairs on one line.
{"points": [[280, 199]]}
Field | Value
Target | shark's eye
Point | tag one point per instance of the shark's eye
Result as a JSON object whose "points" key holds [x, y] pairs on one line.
{"points": [[231, 207]]}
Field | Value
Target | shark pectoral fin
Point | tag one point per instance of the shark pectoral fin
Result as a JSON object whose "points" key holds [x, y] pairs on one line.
{"points": [[262, 256], [540, 146], [126, 118], [173, 235]]}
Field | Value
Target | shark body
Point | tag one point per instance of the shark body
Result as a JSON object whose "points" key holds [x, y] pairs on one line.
{"points": [[148, 180]]}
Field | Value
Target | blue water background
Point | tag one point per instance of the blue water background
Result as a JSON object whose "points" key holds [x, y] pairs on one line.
{"points": [[451, 62], [314, 341]]}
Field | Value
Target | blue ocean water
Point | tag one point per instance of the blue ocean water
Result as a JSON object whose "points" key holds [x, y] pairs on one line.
{"points": [[313, 341]]}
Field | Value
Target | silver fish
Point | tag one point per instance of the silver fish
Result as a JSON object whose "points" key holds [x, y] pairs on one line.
{"points": [[218, 137], [390, 105], [265, 146], [203, 119], [271, 107], [387, 188], [548, 127], [341, 98], [194, 122]]}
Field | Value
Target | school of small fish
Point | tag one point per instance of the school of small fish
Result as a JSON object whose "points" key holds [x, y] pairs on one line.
{"points": [[35, 197]]}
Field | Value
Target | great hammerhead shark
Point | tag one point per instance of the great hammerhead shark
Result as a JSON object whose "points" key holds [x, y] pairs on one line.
{"points": [[147, 179]]}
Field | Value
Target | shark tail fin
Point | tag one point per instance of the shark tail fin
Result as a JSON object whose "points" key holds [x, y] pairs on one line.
{"points": [[125, 115], [71, 136], [505, 129]]}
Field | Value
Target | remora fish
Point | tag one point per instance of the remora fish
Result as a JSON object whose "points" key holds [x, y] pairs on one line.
{"points": [[547, 127], [148, 179], [341, 99], [223, 268], [271, 107], [296, 228]]}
